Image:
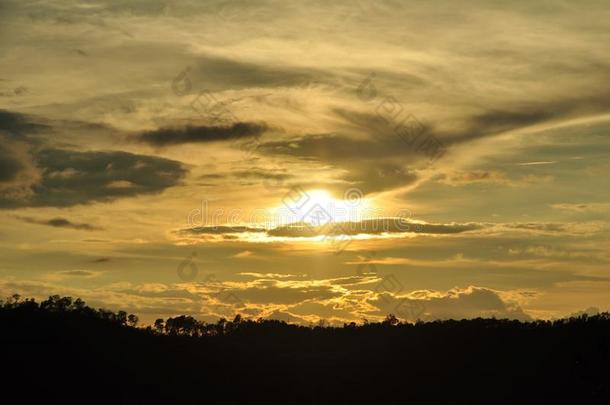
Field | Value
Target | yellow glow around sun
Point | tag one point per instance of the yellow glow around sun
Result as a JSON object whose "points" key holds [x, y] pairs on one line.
{"points": [[319, 207], [321, 197]]}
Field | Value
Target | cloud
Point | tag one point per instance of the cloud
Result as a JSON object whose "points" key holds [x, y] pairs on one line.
{"points": [[277, 292], [269, 177], [218, 230], [10, 166], [367, 151], [202, 134], [78, 273], [267, 275], [457, 178], [338, 149], [558, 108], [370, 151], [457, 303], [73, 275], [591, 311], [62, 223], [382, 227], [379, 177], [376, 226], [496, 121], [287, 317], [243, 254], [376, 156], [18, 171], [371, 227], [292, 301], [582, 207], [550, 228], [538, 163], [17, 124], [232, 73], [73, 177], [276, 175]]}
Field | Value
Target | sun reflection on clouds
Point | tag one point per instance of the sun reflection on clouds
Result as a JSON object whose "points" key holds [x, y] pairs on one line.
{"points": [[307, 217]]}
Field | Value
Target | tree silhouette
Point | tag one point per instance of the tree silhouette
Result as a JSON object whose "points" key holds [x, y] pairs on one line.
{"points": [[183, 360], [132, 320], [159, 325]]}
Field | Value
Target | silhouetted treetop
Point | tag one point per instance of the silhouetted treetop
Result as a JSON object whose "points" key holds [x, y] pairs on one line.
{"points": [[79, 354]]}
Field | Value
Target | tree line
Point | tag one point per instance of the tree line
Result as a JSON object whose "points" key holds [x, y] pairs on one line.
{"points": [[186, 325], [61, 350]]}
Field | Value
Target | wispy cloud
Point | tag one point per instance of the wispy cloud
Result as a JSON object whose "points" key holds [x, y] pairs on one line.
{"points": [[62, 223], [202, 134]]}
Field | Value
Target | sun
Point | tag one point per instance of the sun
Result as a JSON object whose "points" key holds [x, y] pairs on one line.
{"points": [[319, 207], [321, 197]]}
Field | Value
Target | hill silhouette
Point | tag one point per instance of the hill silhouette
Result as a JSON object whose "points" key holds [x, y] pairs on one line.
{"points": [[62, 351]]}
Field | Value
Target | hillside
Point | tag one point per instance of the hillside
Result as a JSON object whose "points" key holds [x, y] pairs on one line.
{"points": [[63, 351]]}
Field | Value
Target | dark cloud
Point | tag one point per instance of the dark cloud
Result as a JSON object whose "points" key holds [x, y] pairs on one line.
{"points": [[72, 177], [333, 148], [10, 166], [77, 273], [383, 140], [212, 176], [379, 140], [62, 223], [14, 123], [235, 74], [202, 134], [460, 178], [148, 8], [378, 158], [527, 113], [371, 227], [218, 230], [32, 174], [369, 164], [380, 177], [270, 178], [216, 73], [18, 170], [375, 152], [388, 225], [500, 121], [263, 174], [544, 227]]}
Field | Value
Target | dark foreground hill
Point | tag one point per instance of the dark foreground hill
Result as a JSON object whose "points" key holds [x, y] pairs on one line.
{"points": [[61, 351]]}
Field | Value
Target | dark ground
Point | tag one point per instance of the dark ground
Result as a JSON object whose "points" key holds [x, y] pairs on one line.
{"points": [[61, 351]]}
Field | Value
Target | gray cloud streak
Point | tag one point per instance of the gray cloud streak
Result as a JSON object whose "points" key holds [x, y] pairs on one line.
{"points": [[62, 223], [202, 134]]}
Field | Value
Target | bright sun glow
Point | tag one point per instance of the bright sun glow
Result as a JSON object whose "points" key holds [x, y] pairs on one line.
{"points": [[318, 207]]}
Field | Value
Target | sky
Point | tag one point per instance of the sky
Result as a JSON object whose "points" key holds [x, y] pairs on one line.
{"points": [[307, 161]]}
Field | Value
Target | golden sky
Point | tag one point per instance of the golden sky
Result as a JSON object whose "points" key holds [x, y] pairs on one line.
{"points": [[307, 160]]}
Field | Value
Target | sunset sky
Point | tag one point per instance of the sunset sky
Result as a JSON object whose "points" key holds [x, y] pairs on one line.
{"points": [[307, 160]]}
